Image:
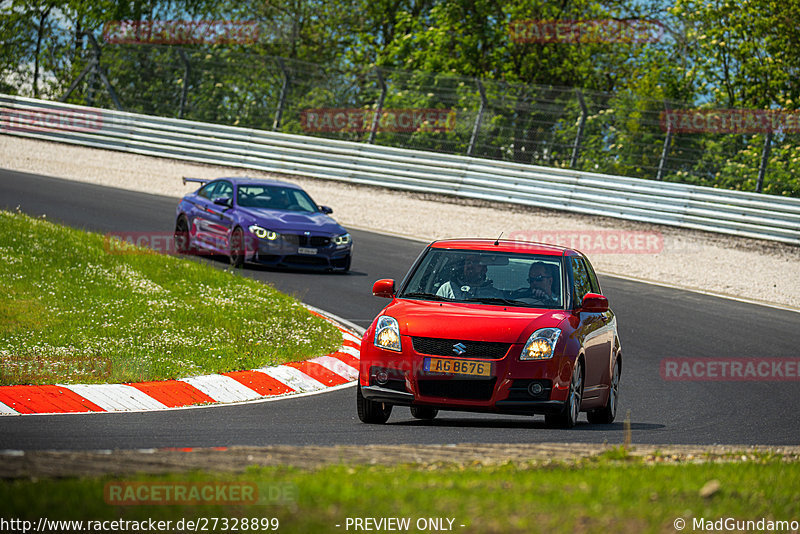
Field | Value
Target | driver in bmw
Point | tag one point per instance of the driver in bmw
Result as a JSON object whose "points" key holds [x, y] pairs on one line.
{"points": [[469, 281]]}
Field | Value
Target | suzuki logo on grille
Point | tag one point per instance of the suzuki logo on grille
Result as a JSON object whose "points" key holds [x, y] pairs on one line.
{"points": [[459, 348]]}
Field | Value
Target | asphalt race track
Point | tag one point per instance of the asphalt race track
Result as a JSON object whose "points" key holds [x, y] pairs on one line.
{"points": [[655, 323]]}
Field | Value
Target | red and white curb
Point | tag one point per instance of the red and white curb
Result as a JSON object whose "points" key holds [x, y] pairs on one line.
{"points": [[335, 369]]}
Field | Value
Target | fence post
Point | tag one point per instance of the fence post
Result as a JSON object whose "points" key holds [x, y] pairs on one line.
{"points": [[665, 148], [476, 128], [379, 110], [76, 81], [762, 169], [185, 88], [96, 70], [276, 124], [576, 147]]}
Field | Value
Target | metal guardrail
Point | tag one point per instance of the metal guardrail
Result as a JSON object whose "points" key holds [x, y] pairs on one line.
{"points": [[730, 212]]}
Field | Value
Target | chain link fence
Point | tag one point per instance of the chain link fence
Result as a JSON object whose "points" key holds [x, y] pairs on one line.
{"points": [[620, 134]]}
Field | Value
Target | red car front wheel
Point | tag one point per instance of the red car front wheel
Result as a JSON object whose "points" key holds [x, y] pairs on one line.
{"points": [[572, 408], [372, 412]]}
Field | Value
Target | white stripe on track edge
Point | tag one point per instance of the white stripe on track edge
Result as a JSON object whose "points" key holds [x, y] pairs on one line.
{"points": [[350, 337], [335, 365], [115, 397], [8, 410], [222, 388], [351, 351], [294, 378]]}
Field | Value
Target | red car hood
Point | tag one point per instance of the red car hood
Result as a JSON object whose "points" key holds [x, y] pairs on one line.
{"points": [[470, 322]]}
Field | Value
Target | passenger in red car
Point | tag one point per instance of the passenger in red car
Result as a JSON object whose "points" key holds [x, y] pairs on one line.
{"points": [[541, 280], [469, 281]]}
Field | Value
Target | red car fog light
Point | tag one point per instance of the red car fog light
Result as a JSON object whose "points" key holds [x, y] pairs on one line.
{"points": [[382, 377], [535, 389]]}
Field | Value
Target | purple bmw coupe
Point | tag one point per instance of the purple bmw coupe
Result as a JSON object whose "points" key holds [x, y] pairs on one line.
{"points": [[261, 221]]}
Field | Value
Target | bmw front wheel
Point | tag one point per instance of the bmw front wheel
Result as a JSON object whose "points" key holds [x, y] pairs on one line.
{"points": [[237, 248]]}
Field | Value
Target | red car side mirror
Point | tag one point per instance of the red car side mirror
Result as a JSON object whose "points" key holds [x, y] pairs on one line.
{"points": [[383, 288], [594, 303]]}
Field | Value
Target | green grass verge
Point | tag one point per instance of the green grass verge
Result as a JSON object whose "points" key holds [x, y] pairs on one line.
{"points": [[599, 495], [72, 312]]}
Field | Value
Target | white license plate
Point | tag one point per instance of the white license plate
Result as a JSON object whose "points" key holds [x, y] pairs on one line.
{"points": [[309, 251]]}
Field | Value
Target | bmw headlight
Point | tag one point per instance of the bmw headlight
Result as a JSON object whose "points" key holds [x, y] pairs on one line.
{"points": [[541, 345], [263, 233], [387, 333], [343, 239]]}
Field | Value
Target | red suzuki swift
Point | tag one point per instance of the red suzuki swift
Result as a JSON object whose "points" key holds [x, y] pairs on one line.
{"points": [[493, 326]]}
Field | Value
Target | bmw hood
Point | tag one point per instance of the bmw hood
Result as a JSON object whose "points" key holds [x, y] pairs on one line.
{"points": [[472, 322], [285, 221]]}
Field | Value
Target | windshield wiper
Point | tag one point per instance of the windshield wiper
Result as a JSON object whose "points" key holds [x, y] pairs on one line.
{"points": [[427, 296], [496, 300]]}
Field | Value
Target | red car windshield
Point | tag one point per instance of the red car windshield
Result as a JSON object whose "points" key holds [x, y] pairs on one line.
{"points": [[501, 278]]}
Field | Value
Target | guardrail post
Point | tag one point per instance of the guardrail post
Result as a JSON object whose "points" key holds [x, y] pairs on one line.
{"points": [[665, 148], [476, 128], [276, 124], [376, 119], [762, 169], [185, 88], [576, 147]]}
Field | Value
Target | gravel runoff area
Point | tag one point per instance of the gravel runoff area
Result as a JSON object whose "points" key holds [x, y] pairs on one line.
{"points": [[749, 269], [49, 464]]}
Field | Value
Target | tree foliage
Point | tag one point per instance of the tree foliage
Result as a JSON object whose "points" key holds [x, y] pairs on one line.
{"points": [[589, 105]]}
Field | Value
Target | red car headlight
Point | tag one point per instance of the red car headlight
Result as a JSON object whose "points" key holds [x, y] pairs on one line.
{"points": [[387, 333], [541, 345]]}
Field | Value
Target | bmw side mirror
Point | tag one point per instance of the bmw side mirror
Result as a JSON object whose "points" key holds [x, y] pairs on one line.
{"points": [[223, 201], [326, 210], [594, 303], [384, 288]]}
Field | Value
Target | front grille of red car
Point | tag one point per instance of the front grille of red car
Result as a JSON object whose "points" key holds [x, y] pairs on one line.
{"points": [[461, 389], [472, 349]]}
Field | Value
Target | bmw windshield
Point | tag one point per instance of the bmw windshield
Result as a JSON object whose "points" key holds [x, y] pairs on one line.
{"points": [[274, 197]]}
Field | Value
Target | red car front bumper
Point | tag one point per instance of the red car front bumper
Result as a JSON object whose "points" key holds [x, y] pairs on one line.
{"points": [[513, 386]]}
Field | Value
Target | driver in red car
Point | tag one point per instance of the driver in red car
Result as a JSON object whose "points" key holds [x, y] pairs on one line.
{"points": [[469, 281]]}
